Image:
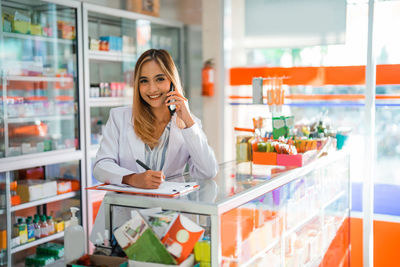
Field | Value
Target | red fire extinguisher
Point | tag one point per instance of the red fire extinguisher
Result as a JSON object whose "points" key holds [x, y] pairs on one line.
{"points": [[208, 79]]}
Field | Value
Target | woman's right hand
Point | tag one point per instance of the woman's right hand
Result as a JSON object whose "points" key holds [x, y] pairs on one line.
{"points": [[147, 180]]}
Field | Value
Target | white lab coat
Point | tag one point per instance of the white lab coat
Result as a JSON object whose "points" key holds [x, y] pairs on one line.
{"points": [[120, 147]]}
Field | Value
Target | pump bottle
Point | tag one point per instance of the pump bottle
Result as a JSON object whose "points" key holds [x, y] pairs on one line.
{"points": [[74, 239]]}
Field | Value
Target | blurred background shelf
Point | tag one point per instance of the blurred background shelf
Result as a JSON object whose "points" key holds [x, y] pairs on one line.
{"points": [[44, 201], [38, 38], [37, 242]]}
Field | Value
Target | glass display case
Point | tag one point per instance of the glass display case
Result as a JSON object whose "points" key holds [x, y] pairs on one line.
{"points": [[41, 123], [113, 40], [259, 215], [39, 78]]}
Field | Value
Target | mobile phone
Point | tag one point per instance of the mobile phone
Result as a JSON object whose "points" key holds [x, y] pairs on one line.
{"points": [[171, 108]]}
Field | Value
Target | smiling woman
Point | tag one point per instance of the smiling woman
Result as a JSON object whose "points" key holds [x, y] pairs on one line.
{"points": [[165, 141]]}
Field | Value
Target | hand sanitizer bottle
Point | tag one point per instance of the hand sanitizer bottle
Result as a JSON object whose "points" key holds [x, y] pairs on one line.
{"points": [[74, 239]]}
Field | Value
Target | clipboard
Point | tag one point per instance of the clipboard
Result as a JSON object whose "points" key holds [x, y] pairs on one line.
{"points": [[166, 189]]}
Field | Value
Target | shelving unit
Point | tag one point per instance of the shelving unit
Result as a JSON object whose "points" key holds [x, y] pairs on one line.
{"points": [[52, 67]]}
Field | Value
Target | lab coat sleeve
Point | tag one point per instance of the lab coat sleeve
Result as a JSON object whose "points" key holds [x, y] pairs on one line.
{"points": [[106, 167], [202, 161]]}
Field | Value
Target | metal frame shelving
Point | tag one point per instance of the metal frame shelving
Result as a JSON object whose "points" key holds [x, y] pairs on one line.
{"points": [[9, 164]]}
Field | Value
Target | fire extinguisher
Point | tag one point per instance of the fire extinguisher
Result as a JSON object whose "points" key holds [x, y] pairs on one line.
{"points": [[208, 78]]}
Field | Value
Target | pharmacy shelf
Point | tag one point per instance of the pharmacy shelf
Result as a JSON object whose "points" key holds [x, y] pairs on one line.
{"points": [[37, 242], [41, 118], [108, 101], [111, 56], [44, 201], [38, 38], [39, 78]]}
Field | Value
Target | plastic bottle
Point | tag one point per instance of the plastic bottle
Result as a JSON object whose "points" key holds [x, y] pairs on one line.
{"points": [[50, 225], [38, 233], [43, 226], [31, 229], [23, 231], [74, 239]]}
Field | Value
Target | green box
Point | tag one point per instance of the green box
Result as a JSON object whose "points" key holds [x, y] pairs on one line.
{"points": [[104, 261]]}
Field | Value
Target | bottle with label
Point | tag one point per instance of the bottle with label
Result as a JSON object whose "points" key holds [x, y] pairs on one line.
{"points": [[23, 231], [36, 224], [50, 225], [43, 226], [74, 239], [31, 229]]}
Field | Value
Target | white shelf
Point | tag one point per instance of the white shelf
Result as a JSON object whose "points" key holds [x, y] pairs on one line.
{"points": [[111, 56], [44, 201], [38, 38], [37, 242], [108, 101], [38, 78], [41, 118]]}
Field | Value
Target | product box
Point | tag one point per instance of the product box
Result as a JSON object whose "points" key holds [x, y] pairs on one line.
{"points": [[264, 158], [189, 262], [30, 190], [63, 187], [147, 7], [100, 260]]}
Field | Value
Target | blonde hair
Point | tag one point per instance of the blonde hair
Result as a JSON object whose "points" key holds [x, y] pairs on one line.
{"points": [[143, 117]]}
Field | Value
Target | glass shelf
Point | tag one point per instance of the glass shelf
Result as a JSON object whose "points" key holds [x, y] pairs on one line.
{"points": [[37, 242], [39, 79], [109, 101], [111, 56], [38, 38], [41, 118], [44, 201]]}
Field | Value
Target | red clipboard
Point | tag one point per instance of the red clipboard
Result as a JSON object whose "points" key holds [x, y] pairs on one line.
{"points": [[166, 189]]}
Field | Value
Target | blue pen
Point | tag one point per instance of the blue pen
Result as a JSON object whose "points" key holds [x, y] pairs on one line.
{"points": [[143, 165]]}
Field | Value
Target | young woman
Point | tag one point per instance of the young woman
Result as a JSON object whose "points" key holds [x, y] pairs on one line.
{"points": [[148, 131]]}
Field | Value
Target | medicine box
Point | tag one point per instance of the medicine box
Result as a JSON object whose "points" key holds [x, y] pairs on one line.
{"points": [[30, 190]]}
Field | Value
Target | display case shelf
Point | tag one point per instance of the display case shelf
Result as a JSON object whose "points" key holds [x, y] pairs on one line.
{"points": [[39, 159], [111, 56], [261, 253], [37, 242], [39, 78], [44, 201], [38, 38], [108, 101], [41, 118]]}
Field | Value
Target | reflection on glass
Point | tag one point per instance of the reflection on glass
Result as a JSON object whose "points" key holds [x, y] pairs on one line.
{"points": [[40, 74], [307, 217]]}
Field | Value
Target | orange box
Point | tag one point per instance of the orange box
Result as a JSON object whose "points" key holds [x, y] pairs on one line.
{"points": [[64, 187], [265, 158]]}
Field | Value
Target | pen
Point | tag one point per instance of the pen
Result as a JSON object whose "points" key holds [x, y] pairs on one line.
{"points": [[143, 165]]}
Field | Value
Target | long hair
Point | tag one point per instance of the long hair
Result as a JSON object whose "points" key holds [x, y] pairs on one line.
{"points": [[143, 117]]}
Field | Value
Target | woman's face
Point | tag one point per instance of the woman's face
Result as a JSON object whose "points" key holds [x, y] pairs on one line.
{"points": [[153, 84]]}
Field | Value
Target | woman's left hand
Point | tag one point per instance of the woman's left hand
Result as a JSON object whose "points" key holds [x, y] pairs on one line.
{"points": [[182, 109]]}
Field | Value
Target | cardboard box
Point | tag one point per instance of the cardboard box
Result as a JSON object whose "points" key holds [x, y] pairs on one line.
{"points": [[103, 261], [264, 158], [272, 158], [147, 7], [189, 262], [30, 190]]}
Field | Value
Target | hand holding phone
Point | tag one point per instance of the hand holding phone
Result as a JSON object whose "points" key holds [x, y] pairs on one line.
{"points": [[171, 108]]}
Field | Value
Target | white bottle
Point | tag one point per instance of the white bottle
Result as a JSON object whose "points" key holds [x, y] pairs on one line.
{"points": [[74, 239]]}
